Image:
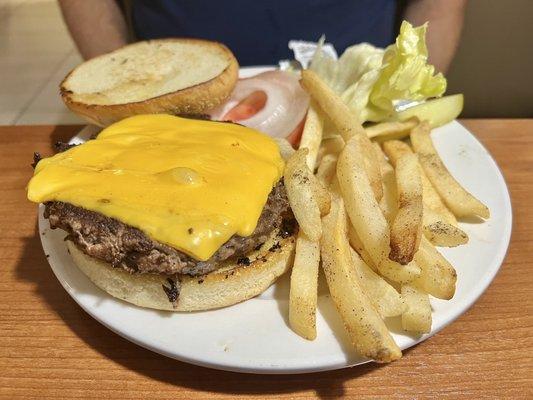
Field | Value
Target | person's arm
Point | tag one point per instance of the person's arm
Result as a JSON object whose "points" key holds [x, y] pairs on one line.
{"points": [[97, 26], [445, 19]]}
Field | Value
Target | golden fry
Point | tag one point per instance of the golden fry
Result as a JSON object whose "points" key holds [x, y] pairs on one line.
{"points": [[322, 195], [387, 301], [326, 169], [304, 287], [346, 122], [301, 194], [460, 202], [365, 214], [394, 149], [441, 233], [417, 316], [285, 148], [366, 329], [437, 276], [330, 146], [406, 229], [312, 134], [389, 201], [391, 130]]}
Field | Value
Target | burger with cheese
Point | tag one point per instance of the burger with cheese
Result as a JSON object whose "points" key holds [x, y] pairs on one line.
{"points": [[172, 213], [161, 211]]}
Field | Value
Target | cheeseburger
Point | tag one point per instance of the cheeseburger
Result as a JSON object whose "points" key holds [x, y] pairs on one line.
{"points": [[172, 213]]}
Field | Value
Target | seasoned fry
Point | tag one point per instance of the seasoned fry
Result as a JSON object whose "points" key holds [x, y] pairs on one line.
{"points": [[322, 195], [435, 226], [304, 286], [386, 299], [330, 146], [394, 149], [432, 200], [389, 201], [365, 214], [391, 130], [437, 275], [361, 206], [357, 245], [312, 134], [460, 202], [326, 169], [285, 148], [370, 217], [406, 229], [346, 122], [300, 192], [441, 233], [417, 317], [366, 329]]}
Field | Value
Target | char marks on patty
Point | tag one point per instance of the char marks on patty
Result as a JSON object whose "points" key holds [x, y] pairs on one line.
{"points": [[124, 246]]}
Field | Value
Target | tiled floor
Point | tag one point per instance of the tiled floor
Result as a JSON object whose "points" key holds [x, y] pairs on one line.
{"points": [[36, 52]]}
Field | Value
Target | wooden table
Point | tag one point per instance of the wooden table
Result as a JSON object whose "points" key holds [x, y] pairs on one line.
{"points": [[50, 348]]}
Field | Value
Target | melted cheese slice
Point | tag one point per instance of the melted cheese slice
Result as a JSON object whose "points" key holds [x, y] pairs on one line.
{"points": [[187, 183]]}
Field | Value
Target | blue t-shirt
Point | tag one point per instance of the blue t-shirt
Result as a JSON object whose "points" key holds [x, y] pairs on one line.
{"points": [[257, 31]]}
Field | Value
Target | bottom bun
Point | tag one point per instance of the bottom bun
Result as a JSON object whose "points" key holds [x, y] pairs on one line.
{"points": [[232, 283]]}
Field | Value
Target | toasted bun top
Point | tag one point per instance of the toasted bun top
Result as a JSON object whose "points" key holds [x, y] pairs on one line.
{"points": [[166, 76], [147, 69]]}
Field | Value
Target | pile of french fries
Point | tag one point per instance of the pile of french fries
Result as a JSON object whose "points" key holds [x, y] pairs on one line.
{"points": [[371, 209]]}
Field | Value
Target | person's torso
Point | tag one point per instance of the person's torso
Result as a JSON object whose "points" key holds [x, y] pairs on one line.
{"points": [[258, 31]]}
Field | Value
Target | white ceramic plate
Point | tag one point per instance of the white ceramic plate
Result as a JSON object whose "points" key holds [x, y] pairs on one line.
{"points": [[254, 336]]}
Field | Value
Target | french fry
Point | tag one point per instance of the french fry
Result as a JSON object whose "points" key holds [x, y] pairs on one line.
{"points": [[312, 134], [417, 316], [330, 146], [437, 276], [460, 202], [366, 329], [300, 192], [285, 148], [346, 122], [322, 195], [391, 130], [389, 201], [394, 149], [440, 229], [326, 169], [387, 301], [357, 245], [441, 233], [365, 214], [433, 201], [406, 230], [304, 287]]}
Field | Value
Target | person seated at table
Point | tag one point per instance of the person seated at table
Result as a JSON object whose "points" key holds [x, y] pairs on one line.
{"points": [[258, 31]]}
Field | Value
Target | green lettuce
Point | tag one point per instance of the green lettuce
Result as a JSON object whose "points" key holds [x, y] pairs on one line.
{"points": [[371, 80]]}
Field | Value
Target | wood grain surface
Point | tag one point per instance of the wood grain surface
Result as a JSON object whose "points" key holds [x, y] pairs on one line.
{"points": [[50, 348]]}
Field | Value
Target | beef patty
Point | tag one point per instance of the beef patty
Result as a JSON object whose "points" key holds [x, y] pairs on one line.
{"points": [[124, 246]]}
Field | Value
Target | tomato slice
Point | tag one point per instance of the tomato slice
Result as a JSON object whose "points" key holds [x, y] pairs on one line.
{"points": [[295, 136], [247, 107]]}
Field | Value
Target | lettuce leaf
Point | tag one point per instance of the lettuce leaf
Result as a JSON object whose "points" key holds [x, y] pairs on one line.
{"points": [[371, 80], [406, 75]]}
